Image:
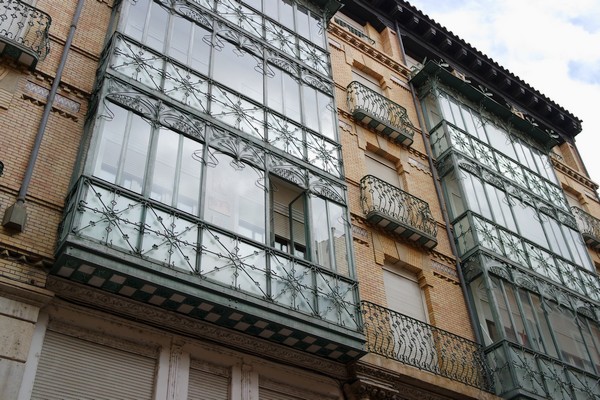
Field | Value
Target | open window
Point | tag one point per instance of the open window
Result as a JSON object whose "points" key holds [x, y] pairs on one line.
{"points": [[288, 218], [309, 226]]}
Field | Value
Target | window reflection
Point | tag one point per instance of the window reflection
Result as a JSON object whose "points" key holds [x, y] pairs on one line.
{"points": [[235, 197]]}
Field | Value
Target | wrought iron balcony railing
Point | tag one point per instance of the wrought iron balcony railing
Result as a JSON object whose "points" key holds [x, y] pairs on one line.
{"points": [[120, 242], [23, 32], [380, 113], [520, 373], [410, 341], [398, 211], [589, 227]]}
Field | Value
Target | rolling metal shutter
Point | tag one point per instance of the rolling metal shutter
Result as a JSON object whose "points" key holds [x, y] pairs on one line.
{"points": [[207, 382], [404, 295], [72, 368]]}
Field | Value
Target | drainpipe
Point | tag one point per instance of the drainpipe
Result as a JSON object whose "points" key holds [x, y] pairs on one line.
{"points": [[15, 216], [440, 197]]}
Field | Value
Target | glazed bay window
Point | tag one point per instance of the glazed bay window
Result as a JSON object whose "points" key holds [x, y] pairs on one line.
{"points": [[278, 90], [537, 323], [144, 159]]}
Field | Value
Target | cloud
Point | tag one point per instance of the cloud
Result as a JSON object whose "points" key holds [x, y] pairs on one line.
{"points": [[587, 72], [553, 45]]}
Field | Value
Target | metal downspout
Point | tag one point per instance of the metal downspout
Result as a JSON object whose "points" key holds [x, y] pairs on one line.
{"points": [[16, 215], [440, 197]]}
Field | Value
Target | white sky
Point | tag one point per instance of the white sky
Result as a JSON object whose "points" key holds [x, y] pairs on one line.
{"points": [[553, 45]]}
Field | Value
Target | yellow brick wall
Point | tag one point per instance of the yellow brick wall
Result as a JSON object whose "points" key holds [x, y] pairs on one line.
{"points": [[25, 256], [443, 295]]}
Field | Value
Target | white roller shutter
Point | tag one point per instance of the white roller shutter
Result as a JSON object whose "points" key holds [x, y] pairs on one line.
{"points": [[404, 295], [208, 382], [270, 394], [72, 368]]}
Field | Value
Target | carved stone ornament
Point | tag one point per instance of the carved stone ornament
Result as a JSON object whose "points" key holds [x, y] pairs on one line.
{"points": [[373, 383]]}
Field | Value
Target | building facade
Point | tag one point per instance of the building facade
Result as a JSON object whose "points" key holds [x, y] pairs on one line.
{"points": [[513, 195], [203, 249], [194, 191]]}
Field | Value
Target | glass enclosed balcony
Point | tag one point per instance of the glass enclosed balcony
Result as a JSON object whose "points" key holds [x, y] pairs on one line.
{"points": [[589, 227], [23, 32], [397, 211], [410, 341], [520, 373], [380, 113], [119, 242], [473, 233]]}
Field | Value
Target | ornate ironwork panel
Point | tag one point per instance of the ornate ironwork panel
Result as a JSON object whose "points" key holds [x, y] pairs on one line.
{"points": [[151, 232], [25, 29], [397, 211], [410, 341], [589, 227], [163, 76], [380, 113], [473, 231], [500, 169], [520, 371]]}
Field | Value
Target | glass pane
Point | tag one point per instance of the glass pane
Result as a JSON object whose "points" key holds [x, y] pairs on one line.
{"points": [[239, 70], [280, 38], [522, 336], [545, 337], [241, 16], [179, 42], [292, 284], [302, 24], [484, 312], [568, 336], [136, 19], [110, 144], [325, 110], [529, 223], [504, 311], [453, 193], [135, 154], [320, 232], [555, 237], [445, 106], [241, 114], [339, 234], [200, 53], [165, 164], [235, 197], [283, 94], [159, 20], [500, 140], [189, 176], [458, 121], [285, 136], [578, 249]]}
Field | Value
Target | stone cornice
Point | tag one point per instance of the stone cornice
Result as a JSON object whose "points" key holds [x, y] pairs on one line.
{"points": [[571, 173], [382, 384], [27, 258], [368, 49], [427, 38], [190, 327]]}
